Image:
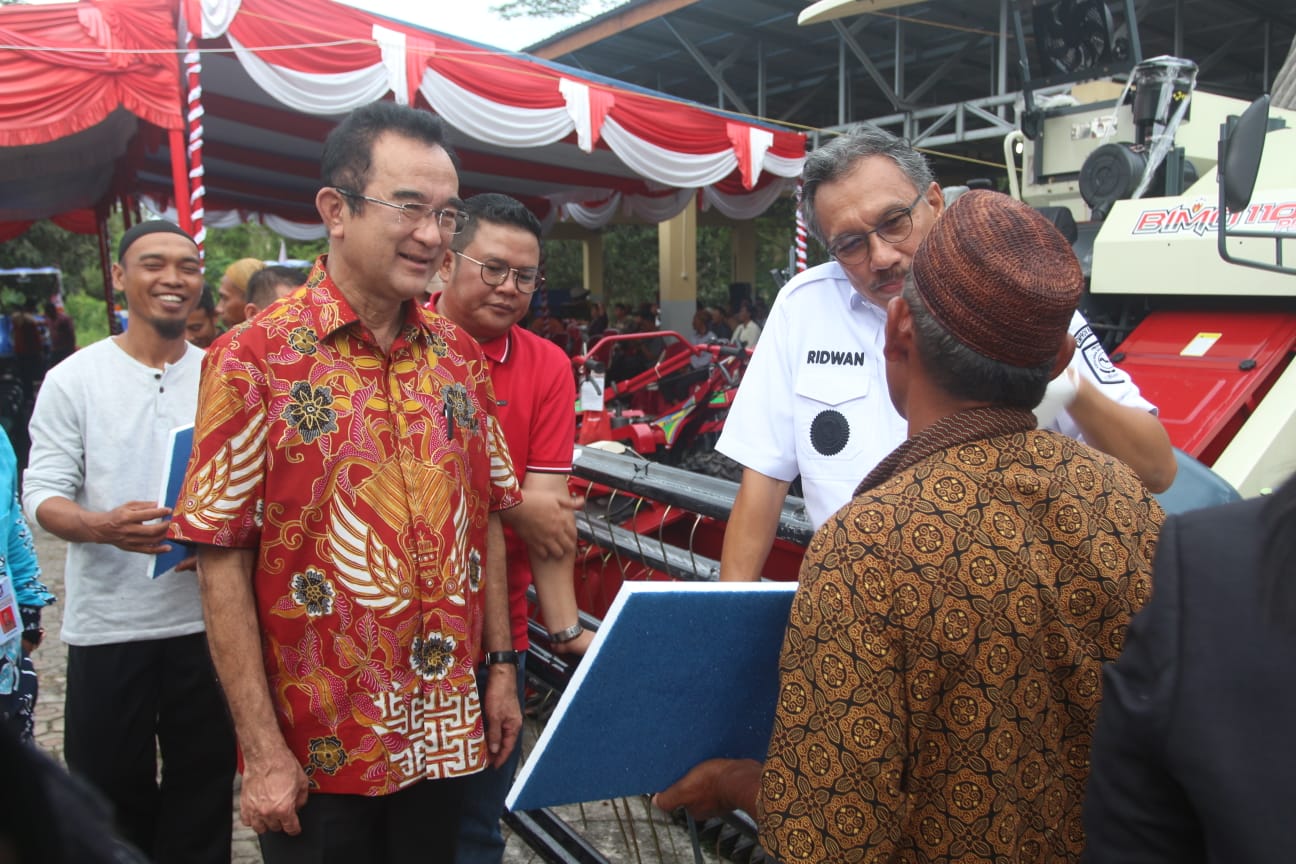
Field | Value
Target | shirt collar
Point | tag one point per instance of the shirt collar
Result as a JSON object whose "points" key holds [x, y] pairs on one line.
{"points": [[327, 311], [855, 301], [497, 350]]}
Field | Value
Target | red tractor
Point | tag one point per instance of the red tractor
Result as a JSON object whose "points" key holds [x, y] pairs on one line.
{"points": [[660, 396]]}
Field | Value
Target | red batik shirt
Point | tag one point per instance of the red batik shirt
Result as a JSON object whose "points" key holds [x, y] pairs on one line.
{"points": [[364, 481]]}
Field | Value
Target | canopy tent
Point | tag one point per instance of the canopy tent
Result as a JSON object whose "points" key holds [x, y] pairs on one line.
{"points": [[92, 109], [75, 82]]}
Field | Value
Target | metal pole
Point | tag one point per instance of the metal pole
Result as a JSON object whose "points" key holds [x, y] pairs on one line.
{"points": [[105, 264], [1178, 28], [1264, 63], [1002, 83], [842, 79], [898, 78]]}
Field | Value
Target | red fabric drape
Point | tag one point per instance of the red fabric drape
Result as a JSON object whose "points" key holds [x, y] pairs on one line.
{"points": [[503, 77], [88, 66], [13, 230], [298, 22], [77, 221]]}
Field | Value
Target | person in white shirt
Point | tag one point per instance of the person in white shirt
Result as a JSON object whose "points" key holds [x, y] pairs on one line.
{"points": [[813, 401], [748, 332], [140, 680]]}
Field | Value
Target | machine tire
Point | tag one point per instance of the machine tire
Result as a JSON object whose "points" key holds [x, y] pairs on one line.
{"points": [[712, 463]]}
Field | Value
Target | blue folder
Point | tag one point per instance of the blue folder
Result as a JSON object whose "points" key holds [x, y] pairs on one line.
{"points": [[179, 446], [679, 672]]}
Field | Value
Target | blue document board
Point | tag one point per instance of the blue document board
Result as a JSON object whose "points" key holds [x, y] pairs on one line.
{"points": [[179, 446], [678, 673]]}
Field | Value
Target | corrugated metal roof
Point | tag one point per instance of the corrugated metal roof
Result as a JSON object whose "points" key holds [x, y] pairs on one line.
{"points": [[717, 52]]}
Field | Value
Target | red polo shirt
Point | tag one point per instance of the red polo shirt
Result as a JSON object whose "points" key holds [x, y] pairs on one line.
{"points": [[535, 393]]}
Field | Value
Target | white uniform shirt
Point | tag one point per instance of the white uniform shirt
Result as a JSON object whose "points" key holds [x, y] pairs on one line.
{"points": [[814, 399]]}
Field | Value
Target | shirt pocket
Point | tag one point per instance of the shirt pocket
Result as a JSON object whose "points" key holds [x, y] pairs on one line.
{"points": [[832, 416]]}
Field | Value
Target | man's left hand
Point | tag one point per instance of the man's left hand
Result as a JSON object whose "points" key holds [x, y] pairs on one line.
{"points": [[503, 713]]}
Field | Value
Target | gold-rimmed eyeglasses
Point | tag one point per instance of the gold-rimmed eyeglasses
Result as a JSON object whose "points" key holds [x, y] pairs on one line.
{"points": [[896, 228], [494, 273], [448, 219]]}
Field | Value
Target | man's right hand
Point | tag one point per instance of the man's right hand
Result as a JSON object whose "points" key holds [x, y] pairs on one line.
{"points": [[274, 789], [125, 528]]}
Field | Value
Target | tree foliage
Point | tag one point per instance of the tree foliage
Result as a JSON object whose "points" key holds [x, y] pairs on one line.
{"points": [[77, 255], [252, 240], [630, 271]]}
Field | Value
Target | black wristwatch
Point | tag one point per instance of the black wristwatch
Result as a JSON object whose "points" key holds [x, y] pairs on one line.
{"points": [[33, 632], [510, 657]]}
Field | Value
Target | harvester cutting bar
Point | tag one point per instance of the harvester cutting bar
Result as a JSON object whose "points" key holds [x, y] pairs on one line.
{"points": [[672, 560], [708, 496]]}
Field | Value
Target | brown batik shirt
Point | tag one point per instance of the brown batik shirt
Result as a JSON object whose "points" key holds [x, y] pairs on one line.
{"points": [[940, 676]]}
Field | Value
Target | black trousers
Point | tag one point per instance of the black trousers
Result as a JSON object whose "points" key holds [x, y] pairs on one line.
{"points": [[417, 825], [126, 703]]}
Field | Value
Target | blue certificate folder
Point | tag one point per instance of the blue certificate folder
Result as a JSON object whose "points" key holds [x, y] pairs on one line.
{"points": [[179, 446], [679, 672]]}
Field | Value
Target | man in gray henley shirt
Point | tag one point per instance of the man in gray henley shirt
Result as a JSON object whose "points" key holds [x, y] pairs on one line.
{"points": [[139, 675]]}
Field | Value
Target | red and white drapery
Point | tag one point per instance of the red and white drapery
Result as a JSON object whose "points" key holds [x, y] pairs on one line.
{"points": [[506, 100], [75, 80], [78, 80]]}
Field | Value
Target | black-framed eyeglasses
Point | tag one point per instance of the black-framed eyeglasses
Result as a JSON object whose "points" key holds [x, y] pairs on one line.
{"points": [[855, 248], [494, 273], [448, 219]]}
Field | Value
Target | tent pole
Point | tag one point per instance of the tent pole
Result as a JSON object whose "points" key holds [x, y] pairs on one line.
{"points": [[180, 178], [194, 113], [105, 265]]}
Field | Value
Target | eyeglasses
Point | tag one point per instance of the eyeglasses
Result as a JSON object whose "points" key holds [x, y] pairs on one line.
{"points": [[495, 273], [855, 248], [447, 219]]}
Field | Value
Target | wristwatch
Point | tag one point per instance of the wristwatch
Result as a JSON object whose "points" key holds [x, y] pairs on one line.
{"points": [[566, 635], [510, 657]]}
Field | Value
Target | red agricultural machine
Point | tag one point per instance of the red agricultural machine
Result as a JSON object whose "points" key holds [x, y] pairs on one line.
{"points": [[651, 408], [660, 396]]}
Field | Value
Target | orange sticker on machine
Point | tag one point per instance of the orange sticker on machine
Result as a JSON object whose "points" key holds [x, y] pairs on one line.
{"points": [[1200, 344]]}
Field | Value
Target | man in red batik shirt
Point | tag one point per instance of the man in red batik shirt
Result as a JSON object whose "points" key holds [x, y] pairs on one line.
{"points": [[344, 491]]}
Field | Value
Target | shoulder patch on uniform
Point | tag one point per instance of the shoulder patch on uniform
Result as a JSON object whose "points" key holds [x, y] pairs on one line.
{"points": [[1096, 358]]}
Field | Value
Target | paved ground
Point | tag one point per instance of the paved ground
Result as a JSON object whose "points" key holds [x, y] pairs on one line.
{"points": [[628, 830]]}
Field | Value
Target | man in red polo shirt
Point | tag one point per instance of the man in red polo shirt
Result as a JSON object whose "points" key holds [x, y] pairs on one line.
{"points": [[489, 276]]}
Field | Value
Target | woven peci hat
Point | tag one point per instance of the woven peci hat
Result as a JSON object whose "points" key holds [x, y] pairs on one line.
{"points": [[1000, 278]]}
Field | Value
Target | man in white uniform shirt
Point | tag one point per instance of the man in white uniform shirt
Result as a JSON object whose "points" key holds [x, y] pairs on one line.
{"points": [[814, 402]]}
